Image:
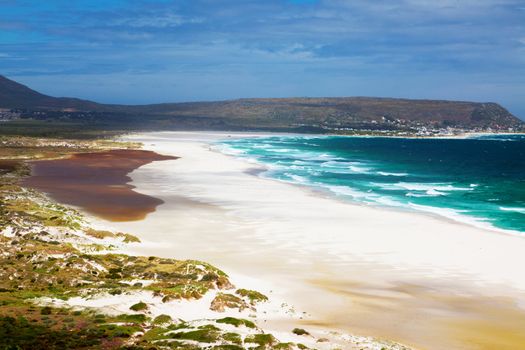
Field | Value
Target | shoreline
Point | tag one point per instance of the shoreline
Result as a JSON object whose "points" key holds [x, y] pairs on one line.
{"points": [[381, 266], [256, 169], [449, 215], [325, 193]]}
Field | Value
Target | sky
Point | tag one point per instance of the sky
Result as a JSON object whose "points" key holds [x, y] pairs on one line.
{"points": [[138, 51]]}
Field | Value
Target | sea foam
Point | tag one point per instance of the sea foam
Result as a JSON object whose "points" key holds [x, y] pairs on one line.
{"points": [[516, 210]]}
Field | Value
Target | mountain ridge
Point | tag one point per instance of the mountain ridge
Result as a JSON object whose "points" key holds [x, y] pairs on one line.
{"points": [[329, 113], [16, 95]]}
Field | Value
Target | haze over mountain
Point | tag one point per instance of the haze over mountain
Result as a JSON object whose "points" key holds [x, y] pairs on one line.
{"points": [[266, 113]]}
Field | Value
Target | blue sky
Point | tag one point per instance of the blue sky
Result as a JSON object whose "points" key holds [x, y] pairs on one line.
{"points": [[139, 51]]}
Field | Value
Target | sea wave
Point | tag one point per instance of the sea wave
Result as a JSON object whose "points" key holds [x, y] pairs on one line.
{"points": [[349, 191], [384, 173], [346, 167], [462, 216], [359, 169], [429, 193], [389, 202], [228, 150], [411, 194], [513, 209], [486, 138], [282, 150], [309, 156], [297, 178], [433, 192], [264, 146], [428, 188], [366, 197], [501, 137]]}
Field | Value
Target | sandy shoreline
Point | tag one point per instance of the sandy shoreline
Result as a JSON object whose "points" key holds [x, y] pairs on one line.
{"points": [[413, 278]]}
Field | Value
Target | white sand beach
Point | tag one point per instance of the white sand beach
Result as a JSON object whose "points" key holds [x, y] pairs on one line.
{"points": [[413, 278]]}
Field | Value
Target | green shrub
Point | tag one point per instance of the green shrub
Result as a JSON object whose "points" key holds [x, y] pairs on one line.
{"points": [[261, 339], [138, 318], [162, 319], [20, 334], [200, 335], [252, 295], [46, 310], [300, 331], [236, 322], [232, 337], [140, 306]]}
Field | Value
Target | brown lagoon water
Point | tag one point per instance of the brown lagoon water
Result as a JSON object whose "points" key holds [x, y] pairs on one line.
{"points": [[97, 182]]}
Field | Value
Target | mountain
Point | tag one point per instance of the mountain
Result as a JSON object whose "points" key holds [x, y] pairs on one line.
{"points": [[16, 95], [286, 114]]}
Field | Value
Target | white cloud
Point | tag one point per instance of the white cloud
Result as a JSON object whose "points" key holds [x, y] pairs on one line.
{"points": [[163, 20]]}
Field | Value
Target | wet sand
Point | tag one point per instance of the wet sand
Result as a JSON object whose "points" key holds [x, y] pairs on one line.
{"points": [[98, 183], [427, 316]]}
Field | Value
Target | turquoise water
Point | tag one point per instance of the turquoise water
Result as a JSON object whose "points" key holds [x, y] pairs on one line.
{"points": [[480, 181]]}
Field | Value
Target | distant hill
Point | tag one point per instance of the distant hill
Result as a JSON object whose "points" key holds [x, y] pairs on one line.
{"points": [[346, 111], [16, 95], [313, 114]]}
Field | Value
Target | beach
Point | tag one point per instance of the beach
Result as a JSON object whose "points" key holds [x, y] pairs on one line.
{"points": [[418, 279]]}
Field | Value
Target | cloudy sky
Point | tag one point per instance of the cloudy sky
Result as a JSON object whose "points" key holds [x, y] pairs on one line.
{"points": [[138, 51]]}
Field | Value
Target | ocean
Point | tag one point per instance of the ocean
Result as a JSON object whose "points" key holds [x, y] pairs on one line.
{"points": [[478, 180]]}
